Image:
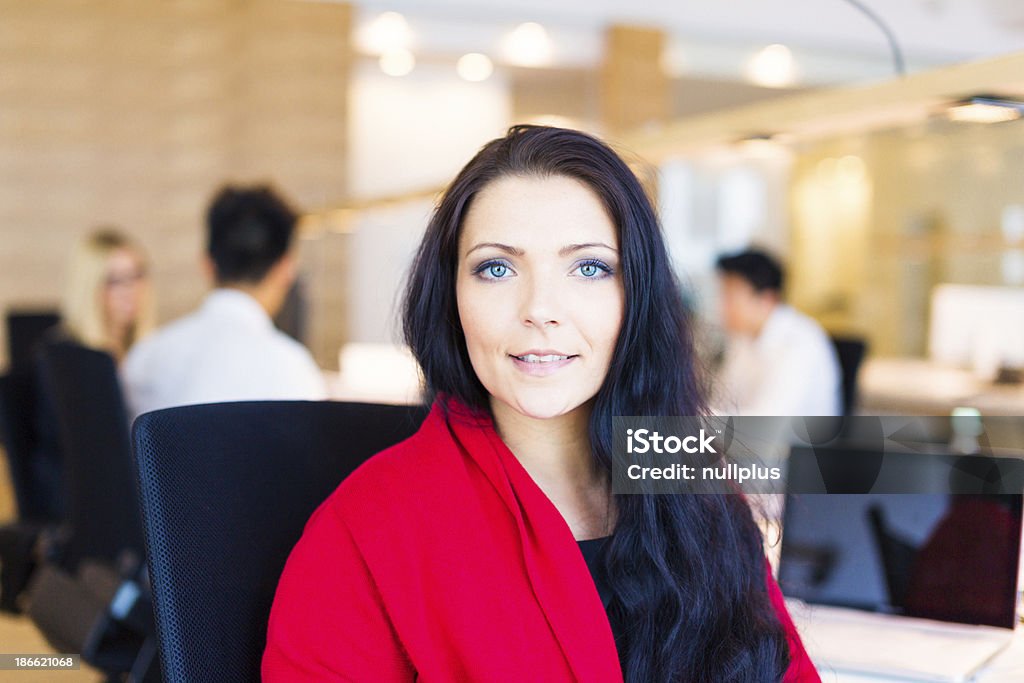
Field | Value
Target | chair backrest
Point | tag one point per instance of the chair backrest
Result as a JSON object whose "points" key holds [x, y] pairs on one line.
{"points": [[16, 402], [226, 491], [851, 353], [103, 512], [29, 430], [24, 330]]}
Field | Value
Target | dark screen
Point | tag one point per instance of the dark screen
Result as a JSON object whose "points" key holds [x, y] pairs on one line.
{"points": [[952, 557]]}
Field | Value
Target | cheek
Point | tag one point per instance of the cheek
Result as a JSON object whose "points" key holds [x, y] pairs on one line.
{"points": [[600, 320], [480, 316]]}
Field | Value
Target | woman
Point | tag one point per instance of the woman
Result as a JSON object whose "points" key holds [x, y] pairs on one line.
{"points": [[106, 306], [541, 303], [107, 303]]}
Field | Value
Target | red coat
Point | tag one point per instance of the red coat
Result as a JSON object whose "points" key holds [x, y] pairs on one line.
{"points": [[440, 559]]}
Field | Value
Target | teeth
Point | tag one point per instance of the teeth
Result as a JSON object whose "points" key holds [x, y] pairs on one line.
{"points": [[533, 358]]}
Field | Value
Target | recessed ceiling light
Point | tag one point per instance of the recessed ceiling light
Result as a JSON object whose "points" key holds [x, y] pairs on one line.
{"points": [[985, 109], [397, 62], [528, 45], [475, 67], [772, 67], [387, 32]]}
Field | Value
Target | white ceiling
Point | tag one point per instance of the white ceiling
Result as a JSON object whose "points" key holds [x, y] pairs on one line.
{"points": [[931, 32]]}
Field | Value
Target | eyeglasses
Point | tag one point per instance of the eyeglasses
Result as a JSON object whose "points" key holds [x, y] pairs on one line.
{"points": [[125, 279]]}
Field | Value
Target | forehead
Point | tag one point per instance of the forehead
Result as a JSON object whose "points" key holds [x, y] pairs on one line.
{"points": [[122, 256], [736, 284], [538, 212]]}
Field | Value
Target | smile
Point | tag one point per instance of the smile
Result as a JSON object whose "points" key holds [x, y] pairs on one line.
{"points": [[541, 363], [533, 358]]}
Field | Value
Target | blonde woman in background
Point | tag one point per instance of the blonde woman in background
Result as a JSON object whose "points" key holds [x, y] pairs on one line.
{"points": [[108, 304]]}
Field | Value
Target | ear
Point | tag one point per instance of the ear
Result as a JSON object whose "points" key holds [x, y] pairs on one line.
{"points": [[769, 298], [209, 268], [286, 269]]}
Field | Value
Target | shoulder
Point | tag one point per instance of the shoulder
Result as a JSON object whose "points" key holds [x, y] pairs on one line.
{"points": [[289, 347], [403, 482], [285, 351], [159, 342], [803, 330]]}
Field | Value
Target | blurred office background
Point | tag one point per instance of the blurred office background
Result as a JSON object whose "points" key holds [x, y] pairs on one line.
{"points": [[900, 217], [132, 113]]}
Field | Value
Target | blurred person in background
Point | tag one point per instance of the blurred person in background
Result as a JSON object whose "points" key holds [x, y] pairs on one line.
{"points": [[778, 361], [107, 306], [229, 349], [108, 303]]}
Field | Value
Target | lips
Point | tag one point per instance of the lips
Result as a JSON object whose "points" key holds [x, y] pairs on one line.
{"points": [[542, 362], [542, 356], [533, 358]]}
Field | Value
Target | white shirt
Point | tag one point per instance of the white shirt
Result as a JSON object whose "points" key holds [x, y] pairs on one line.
{"points": [[789, 369], [227, 350]]}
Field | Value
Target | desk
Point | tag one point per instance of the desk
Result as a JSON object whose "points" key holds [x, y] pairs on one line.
{"points": [[344, 388], [375, 373], [916, 386], [1007, 666]]}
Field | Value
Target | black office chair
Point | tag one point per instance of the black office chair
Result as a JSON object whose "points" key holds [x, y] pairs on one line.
{"points": [[851, 352], [897, 555], [226, 491], [17, 538], [90, 594], [24, 331], [103, 519], [35, 469], [17, 412]]}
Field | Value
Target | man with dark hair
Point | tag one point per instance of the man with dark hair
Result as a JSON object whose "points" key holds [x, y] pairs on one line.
{"points": [[228, 349], [778, 361]]}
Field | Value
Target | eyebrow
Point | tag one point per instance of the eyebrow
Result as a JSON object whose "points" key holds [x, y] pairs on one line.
{"points": [[564, 251], [497, 245], [568, 249]]}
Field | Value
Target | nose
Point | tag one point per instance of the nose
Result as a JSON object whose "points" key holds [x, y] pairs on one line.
{"points": [[539, 306]]}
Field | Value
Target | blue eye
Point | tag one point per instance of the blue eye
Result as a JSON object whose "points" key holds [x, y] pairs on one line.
{"points": [[593, 269], [493, 270]]}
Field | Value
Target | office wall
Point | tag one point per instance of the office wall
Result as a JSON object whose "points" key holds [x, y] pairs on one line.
{"points": [[881, 219], [133, 112]]}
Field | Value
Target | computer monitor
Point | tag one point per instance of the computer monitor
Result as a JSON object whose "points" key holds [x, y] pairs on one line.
{"points": [[977, 327], [951, 557]]}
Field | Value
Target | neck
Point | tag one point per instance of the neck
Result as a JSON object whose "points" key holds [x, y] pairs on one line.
{"points": [[117, 340], [557, 455], [260, 292], [759, 326]]}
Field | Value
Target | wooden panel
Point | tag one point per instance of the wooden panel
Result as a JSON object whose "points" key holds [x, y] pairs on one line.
{"points": [[126, 112], [634, 86]]}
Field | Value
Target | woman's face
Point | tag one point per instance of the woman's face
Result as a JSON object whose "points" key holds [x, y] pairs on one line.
{"points": [[539, 292], [124, 289]]}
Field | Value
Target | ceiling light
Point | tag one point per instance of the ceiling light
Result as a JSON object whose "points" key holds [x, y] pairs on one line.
{"points": [[555, 120], [674, 62], [387, 32], [772, 67], [985, 109], [397, 62], [762, 146], [475, 67], [528, 45]]}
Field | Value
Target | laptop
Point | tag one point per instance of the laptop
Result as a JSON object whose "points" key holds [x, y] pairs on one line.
{"points": [[915, 586]]}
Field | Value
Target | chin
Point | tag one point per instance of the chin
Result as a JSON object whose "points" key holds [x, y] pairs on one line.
{"points": [[544, 405]]}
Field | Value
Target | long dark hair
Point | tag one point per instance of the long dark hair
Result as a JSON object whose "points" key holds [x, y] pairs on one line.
{"points": [[686, 572]]}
